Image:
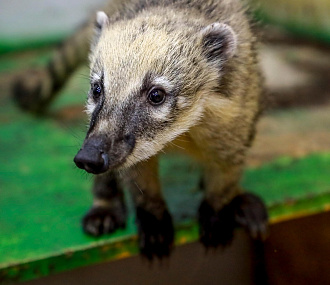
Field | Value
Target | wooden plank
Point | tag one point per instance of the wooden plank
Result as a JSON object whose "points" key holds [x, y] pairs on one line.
{"points": [[298, 251]]}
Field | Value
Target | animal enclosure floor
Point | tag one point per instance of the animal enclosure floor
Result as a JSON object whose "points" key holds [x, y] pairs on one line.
{"points": [[43, 196]]}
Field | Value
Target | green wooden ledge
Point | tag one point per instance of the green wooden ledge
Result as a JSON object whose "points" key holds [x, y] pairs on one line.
{"points": [[35, 243]]}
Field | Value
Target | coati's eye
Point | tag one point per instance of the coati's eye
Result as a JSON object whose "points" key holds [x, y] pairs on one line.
{"points": [[97, 90], [156, 96]]}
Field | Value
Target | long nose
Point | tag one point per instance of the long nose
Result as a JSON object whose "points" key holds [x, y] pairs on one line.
{"points": [[92, 159]]}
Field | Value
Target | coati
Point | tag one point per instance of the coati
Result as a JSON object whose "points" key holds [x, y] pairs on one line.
{"points": [[163, 74]]}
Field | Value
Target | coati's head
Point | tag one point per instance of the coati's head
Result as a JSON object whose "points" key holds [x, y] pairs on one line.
{"points": [[148, 80]]}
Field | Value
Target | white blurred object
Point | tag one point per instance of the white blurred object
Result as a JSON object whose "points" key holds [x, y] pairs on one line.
{"points": [[40, 18]]}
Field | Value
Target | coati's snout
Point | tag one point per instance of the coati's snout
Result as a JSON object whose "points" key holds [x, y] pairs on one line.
{"points": [[99, 154], [92, 160]]}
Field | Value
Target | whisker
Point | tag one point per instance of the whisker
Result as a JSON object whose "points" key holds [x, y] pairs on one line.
{"points": [[141, 191], [172, 143]]}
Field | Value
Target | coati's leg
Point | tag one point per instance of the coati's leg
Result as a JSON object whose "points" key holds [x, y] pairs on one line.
{"points": [[108, 211], [156, 233], [225, 206], [36, 88]]}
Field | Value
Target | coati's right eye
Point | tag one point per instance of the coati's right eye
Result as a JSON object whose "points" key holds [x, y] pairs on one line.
{"points": [[97, 90], [156, 96]]}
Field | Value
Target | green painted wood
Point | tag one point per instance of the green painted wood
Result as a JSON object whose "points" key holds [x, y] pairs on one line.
{"points": [[43, 196]]}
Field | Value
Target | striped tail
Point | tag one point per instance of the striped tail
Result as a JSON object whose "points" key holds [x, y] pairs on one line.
{"points": [[35, 89]]}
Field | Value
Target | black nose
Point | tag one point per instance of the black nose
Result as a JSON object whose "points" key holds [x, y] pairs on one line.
{"points": [[92, 160]]}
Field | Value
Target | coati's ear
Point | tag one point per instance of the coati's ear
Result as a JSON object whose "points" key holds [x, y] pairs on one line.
{"points": [[101, 20], [219, 42]]}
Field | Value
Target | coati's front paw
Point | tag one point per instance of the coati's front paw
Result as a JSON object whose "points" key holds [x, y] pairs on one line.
{"points": [[103, 220], [216, 227], [251, 213], [246, 210], [156, 235]]}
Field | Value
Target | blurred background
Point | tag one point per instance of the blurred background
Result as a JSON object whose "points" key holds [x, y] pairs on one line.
{"points": [[42, 195]]}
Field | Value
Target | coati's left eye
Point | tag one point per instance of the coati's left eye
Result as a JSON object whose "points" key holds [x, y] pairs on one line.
{"points": [[97, 90], [156, 96]]}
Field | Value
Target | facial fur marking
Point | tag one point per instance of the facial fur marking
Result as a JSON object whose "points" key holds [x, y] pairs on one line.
{"points": [[147, 82], [96, 110], [90, 106], [151, 80], [162, 81], [95, 77]]}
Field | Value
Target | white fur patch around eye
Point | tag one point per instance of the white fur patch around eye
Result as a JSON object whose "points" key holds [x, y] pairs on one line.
{"points": [[161, 113], [95, 77], [162, 81], [90, 106]]}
